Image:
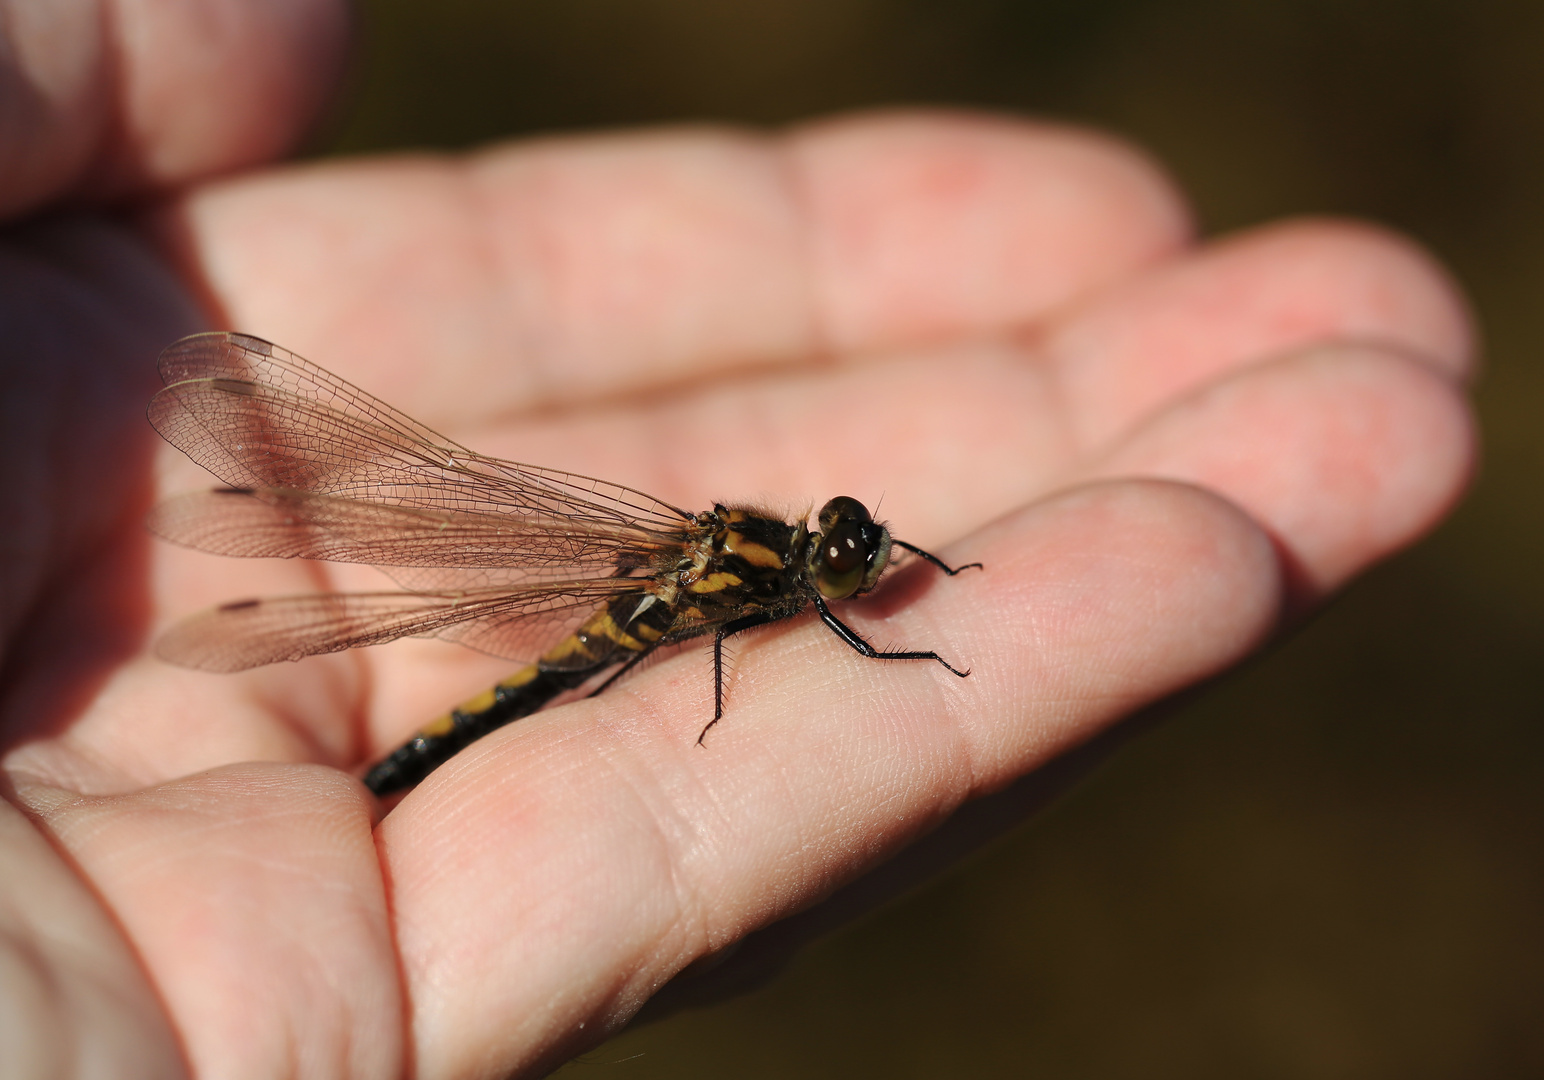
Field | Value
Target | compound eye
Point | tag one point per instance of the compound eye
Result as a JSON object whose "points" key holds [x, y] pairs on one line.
{"points": [[841, 561], [842, 508]]}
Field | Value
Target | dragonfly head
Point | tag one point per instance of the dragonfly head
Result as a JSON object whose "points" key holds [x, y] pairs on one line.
{"points": [[851, 551]]}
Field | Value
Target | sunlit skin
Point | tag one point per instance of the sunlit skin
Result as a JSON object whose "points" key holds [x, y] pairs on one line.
{"points": [[1158, 447]]}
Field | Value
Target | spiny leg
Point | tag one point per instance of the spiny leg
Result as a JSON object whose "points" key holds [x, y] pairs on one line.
{"points": [[733, 626], [858, 642]]}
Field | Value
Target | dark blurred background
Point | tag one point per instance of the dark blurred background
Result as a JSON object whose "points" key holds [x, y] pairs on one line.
{"points": [[1329, 864]]}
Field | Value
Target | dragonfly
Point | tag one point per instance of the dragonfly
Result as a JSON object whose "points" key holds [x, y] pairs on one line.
{"points": [[578, 579]]}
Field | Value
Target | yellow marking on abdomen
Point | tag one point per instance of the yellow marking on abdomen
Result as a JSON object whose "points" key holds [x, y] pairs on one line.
{"points": [[520, 678], [571, 646], [439, 726], [603, 622], [479, 704]]}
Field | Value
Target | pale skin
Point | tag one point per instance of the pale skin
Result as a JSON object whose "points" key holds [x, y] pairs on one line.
{"points": [[1159, 448]]}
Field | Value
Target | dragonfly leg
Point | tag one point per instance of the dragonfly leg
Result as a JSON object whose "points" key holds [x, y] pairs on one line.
{"points": [[936, 561], [619, 672], [733, 626], [858, 642]]}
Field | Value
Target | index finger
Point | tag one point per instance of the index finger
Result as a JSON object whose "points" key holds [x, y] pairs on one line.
{"points": [[565, 270]]}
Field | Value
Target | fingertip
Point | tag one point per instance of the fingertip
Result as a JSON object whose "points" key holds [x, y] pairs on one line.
{"points": [[1344, 452], [1388, 289], [1419, 442], [1248, 299], [1138, 559], [1098, 601]]}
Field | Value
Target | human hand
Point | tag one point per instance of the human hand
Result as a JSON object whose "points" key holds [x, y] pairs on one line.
{"points": [[1156, 448]]}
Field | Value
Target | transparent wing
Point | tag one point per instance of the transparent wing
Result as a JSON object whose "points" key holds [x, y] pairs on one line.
{"points": [[502, 557], [420, 548], [250, 633], [261, 418]]}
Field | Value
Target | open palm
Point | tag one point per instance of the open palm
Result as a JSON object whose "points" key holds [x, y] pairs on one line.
{"points": [[1004, 331]]}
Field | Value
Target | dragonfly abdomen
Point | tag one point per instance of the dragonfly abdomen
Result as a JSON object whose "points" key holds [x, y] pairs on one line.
{"points": [[520, 695], [623, 630]]}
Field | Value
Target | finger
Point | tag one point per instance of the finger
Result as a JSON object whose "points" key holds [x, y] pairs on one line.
{"points": [[109, 99], [72, 993], [926, 228], [563, 270], [950, 436], [84, 305], [253, 899], [1090, 605], [1343, 453], [1252, 297]]}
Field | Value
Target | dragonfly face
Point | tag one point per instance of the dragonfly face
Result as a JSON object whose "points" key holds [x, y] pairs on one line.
{"points": [[577, 577]]}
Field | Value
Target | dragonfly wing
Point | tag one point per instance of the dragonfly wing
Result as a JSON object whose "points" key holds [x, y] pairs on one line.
{"points": [[258, 416], [498, 554], [251, 633], [466, 550]]}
